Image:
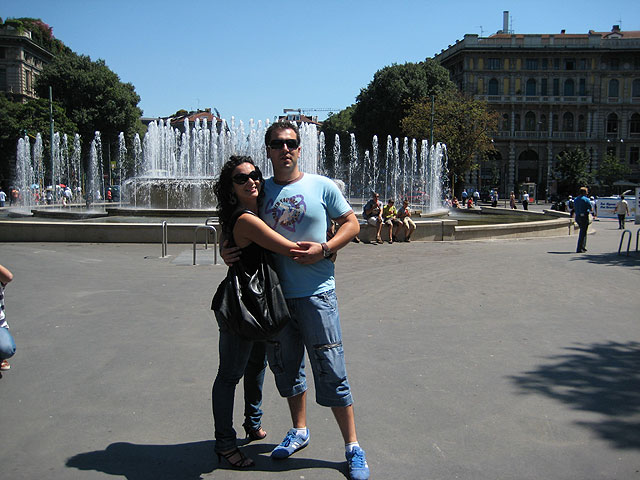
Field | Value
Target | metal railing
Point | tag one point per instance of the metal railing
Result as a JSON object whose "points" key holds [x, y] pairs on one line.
{"points": [[165, 239], [624, 232], [209, 229]]}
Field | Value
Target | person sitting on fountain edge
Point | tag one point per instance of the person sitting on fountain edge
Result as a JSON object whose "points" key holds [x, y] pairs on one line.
{"points": [[390, 218], [372, 213]]}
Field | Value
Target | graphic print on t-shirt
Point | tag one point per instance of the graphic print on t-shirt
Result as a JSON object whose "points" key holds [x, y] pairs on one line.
{"points": [[286, 212]]}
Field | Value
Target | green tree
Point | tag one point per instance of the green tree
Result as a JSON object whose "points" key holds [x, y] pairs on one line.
{"points": [[611, 170], [340, 124], [572, 171], [92, 96], [381, 106], [465, 125], [32, 117]]}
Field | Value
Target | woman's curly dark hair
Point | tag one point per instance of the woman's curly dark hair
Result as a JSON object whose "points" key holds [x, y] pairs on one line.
{"points": [[223, 189]]}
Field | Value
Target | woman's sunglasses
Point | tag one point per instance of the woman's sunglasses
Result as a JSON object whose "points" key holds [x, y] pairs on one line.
{"points": [[291, 144], [242, 178]]}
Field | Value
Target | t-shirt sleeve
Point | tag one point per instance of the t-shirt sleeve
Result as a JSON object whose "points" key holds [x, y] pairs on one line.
{"points": [[337, 205]]}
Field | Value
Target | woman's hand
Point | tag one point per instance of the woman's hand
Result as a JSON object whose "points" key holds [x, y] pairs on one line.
{"points": [[307, 253]]}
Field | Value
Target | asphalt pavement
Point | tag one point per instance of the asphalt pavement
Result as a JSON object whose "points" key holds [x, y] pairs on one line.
{"points": [[512, 359]]}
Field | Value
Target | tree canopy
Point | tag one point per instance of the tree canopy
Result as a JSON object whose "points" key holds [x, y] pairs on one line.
{"points": [[381, 106], [465, 125], [610, 170], [92, 96], [572, 171], [31, 118]]}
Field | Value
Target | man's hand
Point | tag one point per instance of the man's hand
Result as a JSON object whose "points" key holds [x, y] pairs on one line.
{"points": [[229, 255], [307, 253]]}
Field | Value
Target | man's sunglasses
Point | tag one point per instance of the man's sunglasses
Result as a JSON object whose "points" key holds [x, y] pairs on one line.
{"points": [[291, 144], [242, 178]]}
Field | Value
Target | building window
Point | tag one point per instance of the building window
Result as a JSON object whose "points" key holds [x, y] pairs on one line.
{"points": [[543, 86], [530, 122], [543, 123], [614, 64], [570, 64], [3, 79], [567, 122], [634, 125], [3, 53], [635, 88], [634, 155], [531, 87], [611, 150], [582, 64], [582, 126], [613, 88], [494, 64], [545, 64], [554, 122], [612, 124], [28, 79], [556, 87], [531, 64], [516, 122], [505, 122], [493, 86], [582, 87], [556, 64], [569, 88]]}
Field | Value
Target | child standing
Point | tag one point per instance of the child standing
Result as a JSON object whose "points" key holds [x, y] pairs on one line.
{"points": [[7, 344]]}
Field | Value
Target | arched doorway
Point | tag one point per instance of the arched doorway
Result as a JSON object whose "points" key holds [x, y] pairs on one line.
{"points": [[528, 164]]}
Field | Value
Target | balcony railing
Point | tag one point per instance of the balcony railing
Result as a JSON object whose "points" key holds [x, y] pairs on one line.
{"points": [[544, 136], [534, 99]]}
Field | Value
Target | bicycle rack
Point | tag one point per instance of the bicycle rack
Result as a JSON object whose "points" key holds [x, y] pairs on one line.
{"points": [[208, 228], [624, 232], [165, 239]]}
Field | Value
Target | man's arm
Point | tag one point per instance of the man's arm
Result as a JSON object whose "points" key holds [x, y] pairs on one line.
{"points": [[5, 275], [229, 255], [311, 252]]}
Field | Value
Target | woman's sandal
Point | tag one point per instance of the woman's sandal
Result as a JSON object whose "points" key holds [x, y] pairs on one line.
{"points": [[236, 459], [254, 434]]}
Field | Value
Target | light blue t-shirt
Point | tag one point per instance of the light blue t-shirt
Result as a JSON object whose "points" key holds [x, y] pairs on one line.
{"points": [[301, 211]]}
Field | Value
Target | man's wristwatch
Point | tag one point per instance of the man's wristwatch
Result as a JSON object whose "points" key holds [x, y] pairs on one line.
{"points": [[326, 251]]}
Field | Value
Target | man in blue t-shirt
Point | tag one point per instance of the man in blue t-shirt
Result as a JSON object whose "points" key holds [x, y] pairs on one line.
{"points": [[300, 207], [582, 207]]}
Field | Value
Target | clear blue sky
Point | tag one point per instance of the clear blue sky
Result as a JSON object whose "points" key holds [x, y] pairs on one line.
{"points": [[251, 59]]}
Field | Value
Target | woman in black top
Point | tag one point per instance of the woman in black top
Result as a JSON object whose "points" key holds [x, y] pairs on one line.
{"points": [[239, 192]]}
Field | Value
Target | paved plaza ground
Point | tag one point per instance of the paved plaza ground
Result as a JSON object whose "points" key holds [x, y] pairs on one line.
{"points": [[514, 359]]}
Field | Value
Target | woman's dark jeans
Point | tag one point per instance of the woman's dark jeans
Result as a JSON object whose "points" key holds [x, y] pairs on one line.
{"points": [[238, 358]]}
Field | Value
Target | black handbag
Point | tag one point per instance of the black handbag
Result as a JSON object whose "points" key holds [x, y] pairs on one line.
{"points": [[251, 304]]}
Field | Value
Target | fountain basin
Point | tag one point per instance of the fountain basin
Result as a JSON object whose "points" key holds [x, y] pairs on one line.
{"points": [[127, 229], [171, 193]]}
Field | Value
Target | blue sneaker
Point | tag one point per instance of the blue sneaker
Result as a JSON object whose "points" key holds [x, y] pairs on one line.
{"points": [[291, 444], [357, 461]]}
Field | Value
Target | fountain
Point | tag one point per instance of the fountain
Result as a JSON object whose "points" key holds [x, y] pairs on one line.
{"points": [[174, 169]]}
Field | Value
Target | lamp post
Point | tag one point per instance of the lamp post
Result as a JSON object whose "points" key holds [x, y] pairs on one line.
{"points": [[538, 171]]}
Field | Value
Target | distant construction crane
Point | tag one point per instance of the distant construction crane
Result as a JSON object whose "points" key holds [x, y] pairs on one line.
{"points": [[311, 109]]}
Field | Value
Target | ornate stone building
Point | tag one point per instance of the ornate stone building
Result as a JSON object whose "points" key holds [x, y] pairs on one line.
{"points": [[21, 61], [553, 93]]}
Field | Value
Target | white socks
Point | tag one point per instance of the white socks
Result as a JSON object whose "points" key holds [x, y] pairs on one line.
{"points": [[350, 446]]}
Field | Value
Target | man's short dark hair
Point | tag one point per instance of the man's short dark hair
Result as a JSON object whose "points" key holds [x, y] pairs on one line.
{"points": [[282, 125]]}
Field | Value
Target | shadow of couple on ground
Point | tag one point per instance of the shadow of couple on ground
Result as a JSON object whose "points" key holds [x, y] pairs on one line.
{"points": [[184, 461]]}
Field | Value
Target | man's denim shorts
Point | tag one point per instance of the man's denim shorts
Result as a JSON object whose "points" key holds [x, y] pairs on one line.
{"points": [[315, 324]]}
